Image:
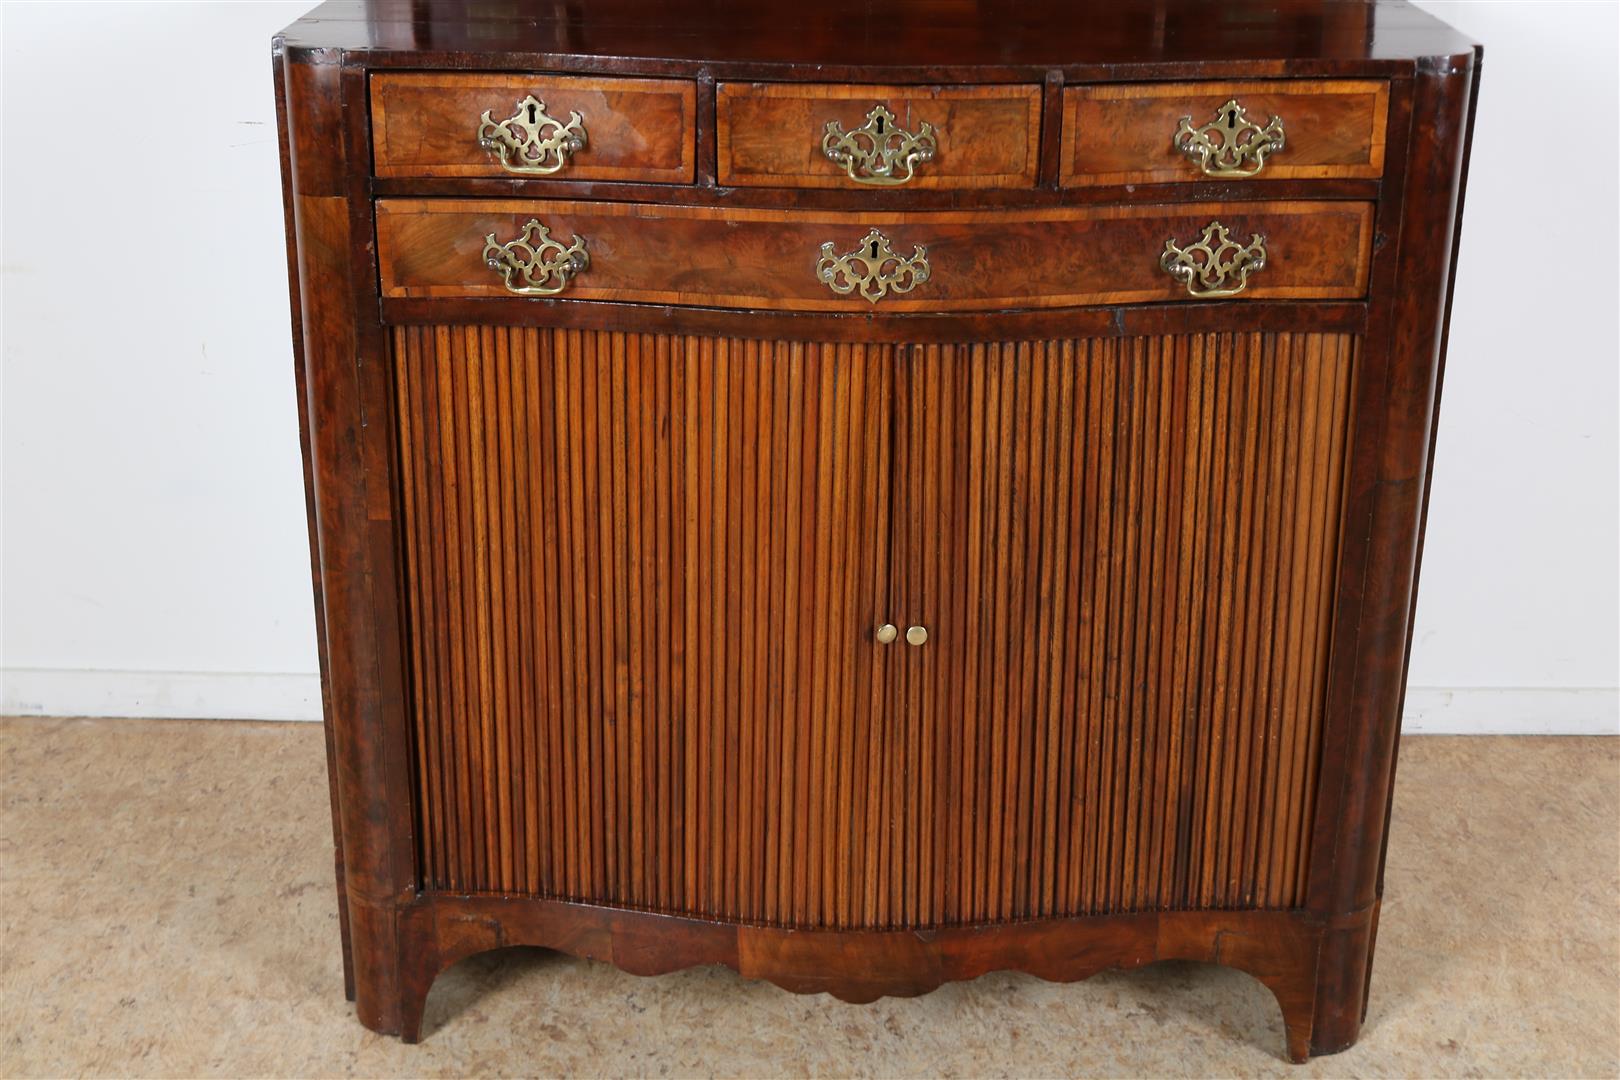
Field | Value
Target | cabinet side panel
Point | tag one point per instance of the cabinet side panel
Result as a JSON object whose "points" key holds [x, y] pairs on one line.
{"points": [[301, 392]]}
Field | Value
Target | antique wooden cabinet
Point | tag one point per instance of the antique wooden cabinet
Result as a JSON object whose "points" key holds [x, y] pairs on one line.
{"points": [[869, 493]]}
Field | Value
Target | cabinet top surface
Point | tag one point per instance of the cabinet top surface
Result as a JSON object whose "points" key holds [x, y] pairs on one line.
{"points": [[898, 34]]}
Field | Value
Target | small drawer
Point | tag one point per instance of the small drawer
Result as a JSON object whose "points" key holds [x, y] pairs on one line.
{"points": [[889, 262], [811, 135], [1154, 133], [534, 126]]}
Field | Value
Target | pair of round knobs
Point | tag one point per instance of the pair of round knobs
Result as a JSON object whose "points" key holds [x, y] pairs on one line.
{"points": [[915, 635]]}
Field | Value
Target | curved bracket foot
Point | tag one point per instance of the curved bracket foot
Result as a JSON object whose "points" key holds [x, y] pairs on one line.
{"points": [[1284, 950]]}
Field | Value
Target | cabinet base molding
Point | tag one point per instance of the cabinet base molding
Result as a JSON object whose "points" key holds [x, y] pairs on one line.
{"points": [[1280, 949]]}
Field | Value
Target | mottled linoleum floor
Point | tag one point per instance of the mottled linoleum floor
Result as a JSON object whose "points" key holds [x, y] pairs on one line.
{"points": [[166, 909]]}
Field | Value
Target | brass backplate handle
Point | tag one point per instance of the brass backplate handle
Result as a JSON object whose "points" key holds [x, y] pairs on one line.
{"points": [[873, 269], [880, 152], [534, 264], [1216, 265], [531, 142], [1231, 146]]}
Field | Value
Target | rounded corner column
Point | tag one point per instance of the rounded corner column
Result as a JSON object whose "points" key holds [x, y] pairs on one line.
{"points": [[371, 803], [1347, 884]]}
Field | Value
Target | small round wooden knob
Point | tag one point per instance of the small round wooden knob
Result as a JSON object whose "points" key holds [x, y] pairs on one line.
{"points": [[916, 635], [886, 634]]}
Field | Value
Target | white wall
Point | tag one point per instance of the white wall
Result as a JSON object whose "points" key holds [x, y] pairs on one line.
{"points": [[155, 552], [1519, 585], [153, 540]]}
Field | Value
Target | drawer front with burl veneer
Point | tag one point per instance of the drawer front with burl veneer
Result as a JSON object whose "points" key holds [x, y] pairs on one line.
{"points": [[560, 127], [813, 135], [831, 261], [1160, 133]]}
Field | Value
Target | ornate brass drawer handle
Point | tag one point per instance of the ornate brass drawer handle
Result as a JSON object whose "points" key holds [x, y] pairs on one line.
{"points": [[534, 264], [881, 152], [1216, 265], [531, 142], [873, 268], [1231, 145]]}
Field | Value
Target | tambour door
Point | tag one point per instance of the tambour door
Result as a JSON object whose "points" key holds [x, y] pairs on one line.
{"points": [[1121, 552], [640, 577]]}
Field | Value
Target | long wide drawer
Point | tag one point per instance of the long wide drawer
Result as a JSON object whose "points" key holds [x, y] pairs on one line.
{"points": [[838, 261], [534, 127]]}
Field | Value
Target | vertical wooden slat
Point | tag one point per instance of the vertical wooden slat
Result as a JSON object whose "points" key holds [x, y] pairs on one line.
{"points": [[808, 625], [495, 620], [453, 517], [1146, 496], [417, 614], [1241, 878], [786, 894], [872, 827], [633, 545], [1065, 531], [665, 645], [1103, 622], [731, 383], [1024, 529], [691, 591], [572, 452], [1134, 412], [513, 655], [974, 641], [761, 619], [777, 587]]}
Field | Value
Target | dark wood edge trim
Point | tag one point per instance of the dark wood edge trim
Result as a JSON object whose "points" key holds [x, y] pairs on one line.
{"points": [[1278, 948], [1347, 317], [1368, 675], [373, 362], [1051, 148], [325, 307], [1365, 430], [1392, 464], [300, 391], [517, 63], [875, 200], [1434, 422], [331, 216], [706, 122]]}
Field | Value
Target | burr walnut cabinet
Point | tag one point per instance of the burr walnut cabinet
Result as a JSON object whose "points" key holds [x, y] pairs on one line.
{"points": [[868, 493]]}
